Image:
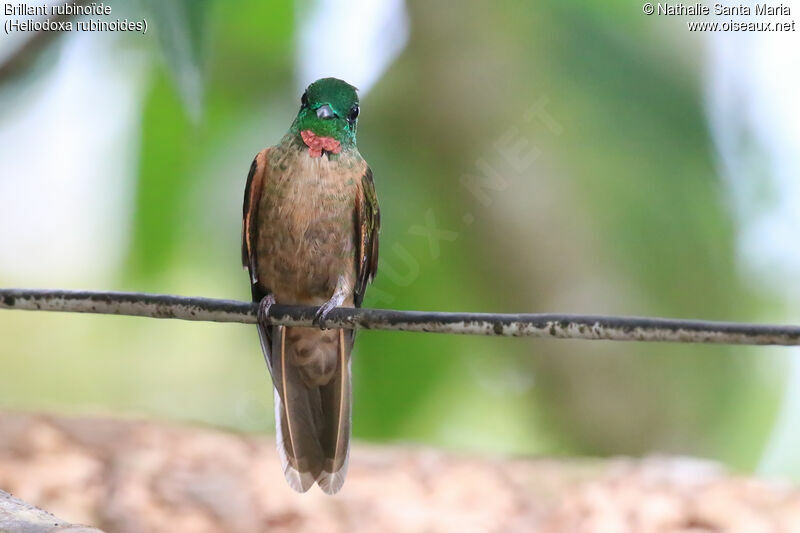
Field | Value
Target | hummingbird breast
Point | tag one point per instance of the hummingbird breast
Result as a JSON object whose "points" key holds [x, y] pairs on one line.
{"points": [[306, 227]]}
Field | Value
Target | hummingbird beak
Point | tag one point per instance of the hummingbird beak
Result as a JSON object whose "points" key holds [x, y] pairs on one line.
{"points": [[325, 112]]}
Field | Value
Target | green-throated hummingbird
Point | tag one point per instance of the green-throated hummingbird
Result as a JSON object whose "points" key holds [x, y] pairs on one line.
{"points": [[310, 237]]}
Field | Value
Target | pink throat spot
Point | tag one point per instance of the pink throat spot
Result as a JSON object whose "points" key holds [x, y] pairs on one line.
{"points": [[316, 144]]}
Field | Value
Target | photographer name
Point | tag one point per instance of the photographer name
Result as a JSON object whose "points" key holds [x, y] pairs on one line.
{"points": [[721, 9]]}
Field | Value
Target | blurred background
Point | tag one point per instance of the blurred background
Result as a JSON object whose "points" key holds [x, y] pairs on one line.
{"points": [[544, 156]]}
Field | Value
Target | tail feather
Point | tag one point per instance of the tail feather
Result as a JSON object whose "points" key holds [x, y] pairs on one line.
{"points": [[336, 402], [298, 412], [311, 374], [300, 479]]}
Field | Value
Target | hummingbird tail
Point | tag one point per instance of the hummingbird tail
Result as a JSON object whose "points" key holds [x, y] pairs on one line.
{"points": [[337, 408], [311, 373], [297, 418]]}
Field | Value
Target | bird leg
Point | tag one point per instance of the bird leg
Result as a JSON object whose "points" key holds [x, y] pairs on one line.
{"points": [[338, 298], [263, 309]]}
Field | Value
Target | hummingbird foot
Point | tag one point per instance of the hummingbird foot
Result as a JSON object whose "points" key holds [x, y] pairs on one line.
{"points": [[322, 313], [263, 309], [336, 300]]}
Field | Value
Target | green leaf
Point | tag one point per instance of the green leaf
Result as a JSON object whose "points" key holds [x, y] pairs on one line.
{"points": [[181, 29]]}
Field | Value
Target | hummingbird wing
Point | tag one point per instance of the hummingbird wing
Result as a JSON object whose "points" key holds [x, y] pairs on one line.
{"points": [[368, 224], [252, 194]]}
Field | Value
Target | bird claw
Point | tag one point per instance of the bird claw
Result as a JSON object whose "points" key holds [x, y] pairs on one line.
{"points": [[320, 317], [263, 309], [342, 288]]}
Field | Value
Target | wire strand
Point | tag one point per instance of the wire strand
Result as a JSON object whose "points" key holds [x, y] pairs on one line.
{"points": [[548, 325]]}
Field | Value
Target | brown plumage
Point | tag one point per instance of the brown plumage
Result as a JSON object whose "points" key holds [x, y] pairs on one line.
{"points": [[309, 236]]}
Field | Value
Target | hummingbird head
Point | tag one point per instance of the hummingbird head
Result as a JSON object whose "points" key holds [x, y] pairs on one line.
{"points": [[328, 116]]}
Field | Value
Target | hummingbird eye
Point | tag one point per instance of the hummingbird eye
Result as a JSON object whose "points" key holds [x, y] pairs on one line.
{"points": [[353, 115], [304, 100]]}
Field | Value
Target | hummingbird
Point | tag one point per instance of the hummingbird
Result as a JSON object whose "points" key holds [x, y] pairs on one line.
{"points": [[310, 237]]}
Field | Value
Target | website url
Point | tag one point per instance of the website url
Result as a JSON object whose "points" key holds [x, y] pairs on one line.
{"points": [[742, 26]]}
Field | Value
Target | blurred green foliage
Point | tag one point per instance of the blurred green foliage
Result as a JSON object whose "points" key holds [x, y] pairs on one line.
{"points": [[620, 212]]}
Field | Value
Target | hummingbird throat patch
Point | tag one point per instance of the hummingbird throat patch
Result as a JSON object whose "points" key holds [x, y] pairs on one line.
{"points": [[316, 144]]}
